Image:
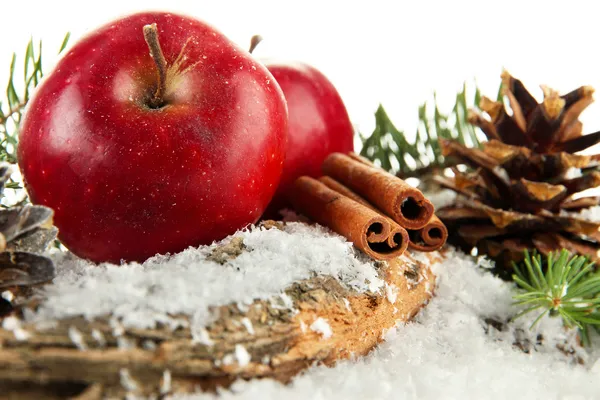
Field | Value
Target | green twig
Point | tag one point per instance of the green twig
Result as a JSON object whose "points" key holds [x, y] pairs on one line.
{"points": [[423, 155], [561, 285]]}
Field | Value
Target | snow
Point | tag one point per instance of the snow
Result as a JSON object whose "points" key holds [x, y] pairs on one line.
{"points": [[165, 386], [127, 381], [148, 294], [7, 295], [591, 214], [441, 198], [240, 356], [452, 350], [248, 325], [572, 173], [77, 338], [13, 324], [463, 345], [322, 327], [200, 335], [99, 337]]}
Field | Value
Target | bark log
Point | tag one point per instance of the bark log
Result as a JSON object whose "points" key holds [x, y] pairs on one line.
{"points": [[154, 362]]}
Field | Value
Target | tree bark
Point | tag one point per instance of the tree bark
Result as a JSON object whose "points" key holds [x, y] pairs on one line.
{"points": [[105, 363]]}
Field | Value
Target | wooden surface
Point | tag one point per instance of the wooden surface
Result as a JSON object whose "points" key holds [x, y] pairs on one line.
{"points": [[50, 364]]}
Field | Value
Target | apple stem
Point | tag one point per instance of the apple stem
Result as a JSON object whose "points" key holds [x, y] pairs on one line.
{"points": [[151, 36], [256, 39]]}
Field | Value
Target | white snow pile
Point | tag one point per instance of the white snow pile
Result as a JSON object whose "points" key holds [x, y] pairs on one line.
{"points": [[160, 289], [451, 352], [589, 214], [461, 346]]}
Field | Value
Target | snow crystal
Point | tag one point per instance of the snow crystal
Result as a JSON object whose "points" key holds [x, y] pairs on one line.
{"points": [[240, 356], [461, 346], [146, 295], [347, 304], [77, 338], [127, 382], [248, 325], [302, 326], [200, 335], [99, 337], [13, 324], [7, 295], [391, 293], [322, 327], [572, 173], [149, 345], [590, 214], [165, 385]]}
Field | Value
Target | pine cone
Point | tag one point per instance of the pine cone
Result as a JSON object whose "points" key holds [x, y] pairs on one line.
{"points": [[24, 231], [525, 177]]}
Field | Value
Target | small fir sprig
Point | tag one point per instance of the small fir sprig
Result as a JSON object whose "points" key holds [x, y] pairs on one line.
{"points": [[561, 285], [13, 105], [422, 156]]}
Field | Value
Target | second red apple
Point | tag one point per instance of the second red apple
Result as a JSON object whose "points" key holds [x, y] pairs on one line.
{"points": [[318, 123]]}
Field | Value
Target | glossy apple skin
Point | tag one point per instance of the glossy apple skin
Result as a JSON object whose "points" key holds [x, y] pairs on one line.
{"points": [[318, 123], [126, 181]]}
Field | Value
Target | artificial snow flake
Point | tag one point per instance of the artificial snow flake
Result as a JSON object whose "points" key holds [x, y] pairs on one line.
{"points": [[391, 293], [165, 383], [200, 335], [7, 295], [322, 327], [242, 355], [13, 324], [248, 325], [77, 338], [347, 304], [126, 380], [99, 337], [302, 326]]}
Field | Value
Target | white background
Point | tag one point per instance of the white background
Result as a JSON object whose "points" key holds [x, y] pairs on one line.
{"points": [[373, 51]]}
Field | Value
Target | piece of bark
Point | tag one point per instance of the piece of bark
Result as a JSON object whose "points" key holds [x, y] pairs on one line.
{"points": [[282, 343], [371, 232], [395, 198]]}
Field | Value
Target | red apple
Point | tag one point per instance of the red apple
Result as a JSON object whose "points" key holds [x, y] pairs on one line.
{"points": [[318, 122], [141, 154]]}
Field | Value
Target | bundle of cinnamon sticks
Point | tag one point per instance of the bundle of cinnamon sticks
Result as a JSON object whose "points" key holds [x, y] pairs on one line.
{"points": [[377, 211]]}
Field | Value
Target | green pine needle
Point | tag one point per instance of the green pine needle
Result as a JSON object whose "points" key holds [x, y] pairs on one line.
{"points": [[13, 105], [387, 145], [565, 286]]}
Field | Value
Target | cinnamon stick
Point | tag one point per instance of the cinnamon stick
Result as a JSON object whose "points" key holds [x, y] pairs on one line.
{"points": [[374, 234], [403, 203], [429, 238]]}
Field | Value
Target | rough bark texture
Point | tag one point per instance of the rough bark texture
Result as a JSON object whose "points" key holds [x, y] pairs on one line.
{"points": [[110, 364]]}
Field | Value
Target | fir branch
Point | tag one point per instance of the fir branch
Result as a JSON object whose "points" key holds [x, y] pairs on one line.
{"points": [[387, 145], [14, 103], [563, 285]]}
